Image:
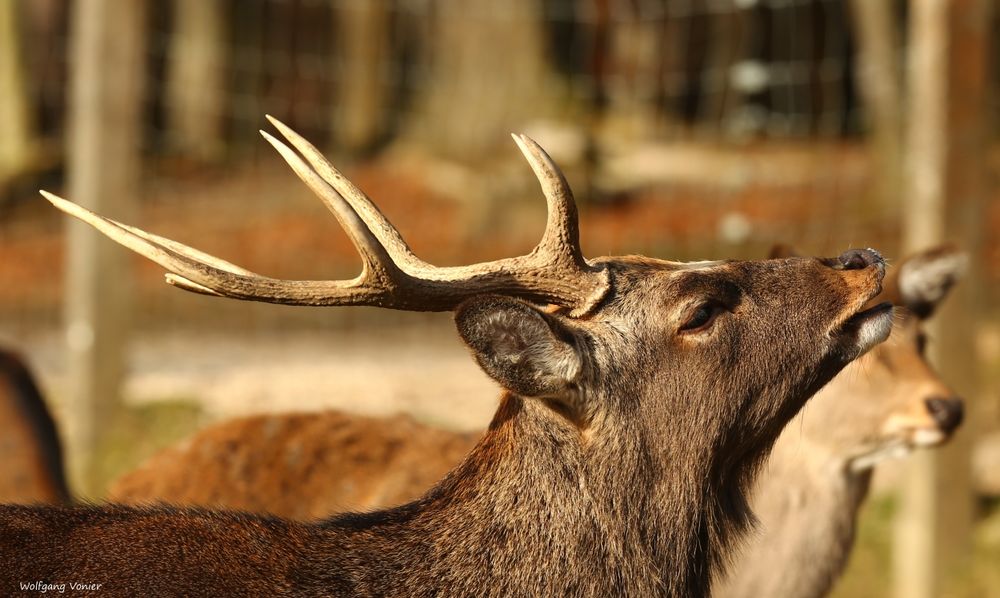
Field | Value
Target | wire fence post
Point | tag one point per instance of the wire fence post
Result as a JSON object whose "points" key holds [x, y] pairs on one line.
{"points": [[103, 174], [945, 200]]}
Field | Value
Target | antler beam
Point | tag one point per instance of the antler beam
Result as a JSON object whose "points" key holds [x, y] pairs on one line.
{"points": [[555, 271]]}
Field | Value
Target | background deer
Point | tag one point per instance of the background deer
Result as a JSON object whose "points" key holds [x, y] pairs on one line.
{"points": [[30, 451], [617, 461], [807, 498], [299, 465]]}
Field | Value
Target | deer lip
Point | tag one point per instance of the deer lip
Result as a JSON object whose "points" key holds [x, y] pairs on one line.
{"points": [[916, 432], [927, 437], [883, 309], [867, 328]]}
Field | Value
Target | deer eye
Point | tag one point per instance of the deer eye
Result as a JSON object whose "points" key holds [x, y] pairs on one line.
{"points": [[701, 318]]}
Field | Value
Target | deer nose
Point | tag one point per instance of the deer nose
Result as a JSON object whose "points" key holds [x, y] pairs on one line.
{"points": [[859, 259], [948, 413]]}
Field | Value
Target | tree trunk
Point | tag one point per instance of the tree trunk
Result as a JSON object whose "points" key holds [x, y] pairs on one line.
{"points": [[878, 82], [487, 75], [106, 75], [362, 31], [16, 139], [195, 85], [947, 130]]}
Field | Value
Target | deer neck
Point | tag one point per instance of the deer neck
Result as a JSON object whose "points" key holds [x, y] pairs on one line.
{"points": [[535, 510], [543, 487]]}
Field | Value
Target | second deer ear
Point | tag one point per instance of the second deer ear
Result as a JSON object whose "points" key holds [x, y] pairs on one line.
{"points": [[529, 352], [923, 279], [781, 251]]}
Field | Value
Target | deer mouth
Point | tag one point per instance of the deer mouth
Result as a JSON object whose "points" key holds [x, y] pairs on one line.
{"points": [[915, 432], [897, 445], [894, 448], [865, 329]]}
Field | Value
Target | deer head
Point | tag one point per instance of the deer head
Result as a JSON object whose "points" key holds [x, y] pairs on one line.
{"points": [[884, 404], [635, 411], [891, 400]]}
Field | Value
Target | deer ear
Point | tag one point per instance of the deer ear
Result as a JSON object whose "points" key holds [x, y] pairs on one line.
{"points": [[529, 352], [781, 251], [923, 279]]}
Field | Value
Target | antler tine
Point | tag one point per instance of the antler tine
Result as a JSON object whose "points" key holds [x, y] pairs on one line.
{"points": [[561, 238], [197, 271], [560, 241], [373, 254], [384, 231], [162, 251], [153, 242]]}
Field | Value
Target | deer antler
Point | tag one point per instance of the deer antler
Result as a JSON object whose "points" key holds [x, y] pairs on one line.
{"points": [[555, 271]]}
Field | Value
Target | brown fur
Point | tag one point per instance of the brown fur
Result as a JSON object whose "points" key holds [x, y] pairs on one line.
{"points": [[30, 451], [615, 465], [302, 466]]}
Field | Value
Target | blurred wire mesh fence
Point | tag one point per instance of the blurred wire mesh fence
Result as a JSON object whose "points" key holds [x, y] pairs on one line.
{"points": [[719, 127], [689, 129]]}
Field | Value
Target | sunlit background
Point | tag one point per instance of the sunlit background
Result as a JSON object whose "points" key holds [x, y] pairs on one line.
{"points": [[689, 129]]}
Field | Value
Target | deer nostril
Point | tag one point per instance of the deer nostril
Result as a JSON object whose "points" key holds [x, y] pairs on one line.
{"points": [[858, 259], [948, 413]]}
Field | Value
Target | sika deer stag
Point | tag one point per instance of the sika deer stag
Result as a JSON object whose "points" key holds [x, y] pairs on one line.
{"points": [[310, 465], [30, 452], [807, 498], [617, 461]]}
